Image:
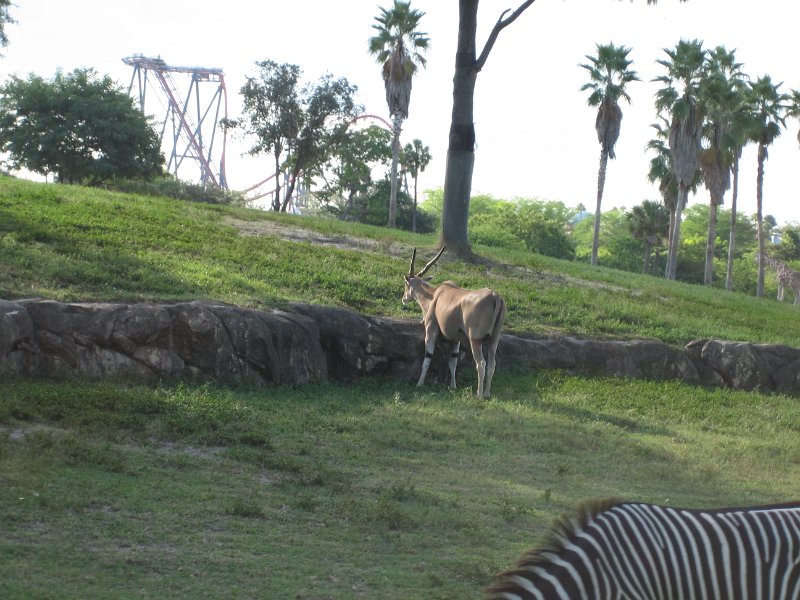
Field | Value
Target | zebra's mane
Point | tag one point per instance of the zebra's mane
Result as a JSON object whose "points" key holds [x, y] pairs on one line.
{"points": [[566, 526], [560, 532]]}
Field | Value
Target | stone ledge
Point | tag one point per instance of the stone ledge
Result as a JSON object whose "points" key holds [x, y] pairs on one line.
{"points": [[217, 342]]}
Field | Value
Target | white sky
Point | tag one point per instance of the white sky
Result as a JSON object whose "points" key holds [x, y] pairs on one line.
{"points": [[535, 133]]}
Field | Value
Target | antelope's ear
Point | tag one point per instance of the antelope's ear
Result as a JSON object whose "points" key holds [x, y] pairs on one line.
{"points": [[408, 278], [428, 279]]}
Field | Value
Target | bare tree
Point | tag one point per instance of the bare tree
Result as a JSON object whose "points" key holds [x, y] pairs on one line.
{"points": [[461, 147]]}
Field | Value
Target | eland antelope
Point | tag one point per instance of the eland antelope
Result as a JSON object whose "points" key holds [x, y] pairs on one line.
{"points": [[474, 316]]}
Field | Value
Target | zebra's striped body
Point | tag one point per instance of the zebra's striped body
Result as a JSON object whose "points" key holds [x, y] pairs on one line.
{"points": [[622, 550]]}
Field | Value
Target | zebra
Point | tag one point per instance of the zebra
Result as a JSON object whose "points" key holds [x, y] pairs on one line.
{"points": [[618, 550]]}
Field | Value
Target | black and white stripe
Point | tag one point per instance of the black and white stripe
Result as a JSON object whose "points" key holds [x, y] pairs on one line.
{"points": [[623, 550]]}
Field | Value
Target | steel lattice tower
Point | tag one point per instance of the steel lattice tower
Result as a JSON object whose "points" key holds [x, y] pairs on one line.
{"points": [[189, 125]]}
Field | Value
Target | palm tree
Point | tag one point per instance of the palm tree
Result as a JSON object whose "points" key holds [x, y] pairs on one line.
{"points": [[741, 124], [416, 157], [721, 97], [680, 99], [793, 110], [662, 172], [649, 222], [398, 47], [609, 74], [769, 105]]}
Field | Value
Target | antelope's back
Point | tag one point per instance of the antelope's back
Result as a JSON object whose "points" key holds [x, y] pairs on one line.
{"points": [[463, 313]]}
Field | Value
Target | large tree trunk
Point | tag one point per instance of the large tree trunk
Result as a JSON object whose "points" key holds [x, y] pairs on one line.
{"points": [[455, 210], [601, 182], [732, 237], [762, 155], [461, 148]]}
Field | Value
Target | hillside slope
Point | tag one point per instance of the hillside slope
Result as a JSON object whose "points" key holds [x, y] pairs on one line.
{"points": [[73, 243]]}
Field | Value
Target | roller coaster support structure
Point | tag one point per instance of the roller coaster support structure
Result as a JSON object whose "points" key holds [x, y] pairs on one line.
{"points": [[191, 118]]}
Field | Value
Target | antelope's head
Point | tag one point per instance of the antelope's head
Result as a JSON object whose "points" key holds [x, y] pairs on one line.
{"points": [[413, 281]]}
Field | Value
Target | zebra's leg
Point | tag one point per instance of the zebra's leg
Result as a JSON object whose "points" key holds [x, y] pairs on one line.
{"points": [[480, 363], [453, 362]]}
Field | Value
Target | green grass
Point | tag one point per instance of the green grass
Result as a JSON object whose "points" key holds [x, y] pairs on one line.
{"points": [[80, 244], [368, 490], [377, 490]]}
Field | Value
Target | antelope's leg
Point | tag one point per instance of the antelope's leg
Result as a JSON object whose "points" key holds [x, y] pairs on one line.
{"points": [[431, 335], [453, 362], [480, 362], [490, 364]]}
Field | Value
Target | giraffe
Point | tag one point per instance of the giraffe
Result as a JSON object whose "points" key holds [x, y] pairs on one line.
{"points": [[786, 277]]}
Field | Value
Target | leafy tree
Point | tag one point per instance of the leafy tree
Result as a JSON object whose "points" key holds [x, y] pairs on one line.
{"points": [[329, 111], [398, 47], [540, 226], [649, 222], [618, 250], [609, 73], [348, 172], [370, 207], [272, 105], [769, 106], [308, 124], [5, 19], [680, 100], [789, 248], [694, 242], [80, 127], [721, 95], [415, 158]]}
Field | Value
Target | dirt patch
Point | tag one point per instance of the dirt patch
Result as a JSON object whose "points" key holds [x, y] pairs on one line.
{"points": [[299, 234], [18, 434], [170, 447]]}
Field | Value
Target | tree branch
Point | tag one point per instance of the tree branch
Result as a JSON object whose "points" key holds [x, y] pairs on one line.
{"points": [[498, 27]]}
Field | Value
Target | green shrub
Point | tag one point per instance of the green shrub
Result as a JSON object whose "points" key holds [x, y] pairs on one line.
{"points": [[489, 234], [175, 188]]}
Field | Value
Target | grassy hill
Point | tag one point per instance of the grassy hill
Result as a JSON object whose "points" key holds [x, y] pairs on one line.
{"points": [[81, 244], [370, 490]]}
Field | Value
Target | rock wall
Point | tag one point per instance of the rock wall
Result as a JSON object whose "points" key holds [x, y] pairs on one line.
{"points": [[218, 342]]}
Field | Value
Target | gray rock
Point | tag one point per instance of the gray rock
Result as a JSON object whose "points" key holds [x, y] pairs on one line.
{"points": [[218, 342]]}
